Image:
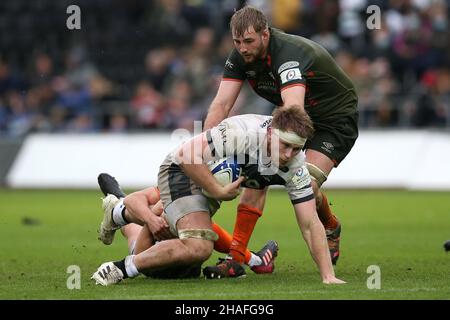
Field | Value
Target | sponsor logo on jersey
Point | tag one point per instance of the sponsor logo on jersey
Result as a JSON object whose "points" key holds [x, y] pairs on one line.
{"points": [[223, 132], [229, 64], [266, 123], [327, 146], [250, 73], [290, 74], [288, 65], [267, 86], [301, 179]]}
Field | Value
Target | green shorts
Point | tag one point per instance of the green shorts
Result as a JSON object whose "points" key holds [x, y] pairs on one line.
{"points": [[335, 139]]}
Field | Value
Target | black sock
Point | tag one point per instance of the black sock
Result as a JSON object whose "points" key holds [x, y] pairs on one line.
{"points": [[121, 265]]}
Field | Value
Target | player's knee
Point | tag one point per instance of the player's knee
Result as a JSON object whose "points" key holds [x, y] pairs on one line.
{"points": [[199, 249], [318, 177], [204, 250], [317, 193], [253, 198], [318, 197]]}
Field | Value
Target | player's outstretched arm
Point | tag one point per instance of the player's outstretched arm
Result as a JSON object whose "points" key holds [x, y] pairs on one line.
{"points": [[223, 102], [315, 237]]}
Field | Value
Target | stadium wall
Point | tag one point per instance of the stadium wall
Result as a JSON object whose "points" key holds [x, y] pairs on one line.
{"points": [[380, 159], [8, 150]]}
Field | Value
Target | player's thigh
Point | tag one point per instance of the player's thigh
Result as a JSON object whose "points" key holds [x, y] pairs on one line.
{"points": [[319, 160], [255, 198], [182, 197], [144, 240], [332, 143], [195, 220], [195, 230]]}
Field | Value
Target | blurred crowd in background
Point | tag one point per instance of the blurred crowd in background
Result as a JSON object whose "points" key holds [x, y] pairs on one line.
{"points": [[140, 65]]}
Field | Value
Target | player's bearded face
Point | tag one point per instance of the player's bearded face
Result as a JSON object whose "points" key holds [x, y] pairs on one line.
{"points": [[250, 45]]}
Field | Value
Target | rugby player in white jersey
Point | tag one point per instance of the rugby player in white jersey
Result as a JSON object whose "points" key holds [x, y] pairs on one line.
{"points": [[269, 155], [139, 216]]}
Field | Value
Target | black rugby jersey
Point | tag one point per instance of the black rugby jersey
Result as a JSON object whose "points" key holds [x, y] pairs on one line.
{"points": [[294, 60]]}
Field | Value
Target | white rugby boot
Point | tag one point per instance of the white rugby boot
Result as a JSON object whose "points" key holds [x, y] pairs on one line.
{"points": [[107, 274], [108, 227]]}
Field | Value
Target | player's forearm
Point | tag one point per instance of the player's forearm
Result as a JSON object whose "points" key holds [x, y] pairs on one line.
{"points": [[138, 210], [318, 246], [217, 112]]}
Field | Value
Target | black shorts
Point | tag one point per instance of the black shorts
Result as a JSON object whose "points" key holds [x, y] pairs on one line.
{"points": [[178, 272], [335, 139]]}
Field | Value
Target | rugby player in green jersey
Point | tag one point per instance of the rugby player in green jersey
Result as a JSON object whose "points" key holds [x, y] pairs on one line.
{"points": [[288, 70]]}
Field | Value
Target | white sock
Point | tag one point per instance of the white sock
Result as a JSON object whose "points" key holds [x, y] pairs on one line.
{"points": [[132, 247], [130, 267], [117, 214], [254, 260]]}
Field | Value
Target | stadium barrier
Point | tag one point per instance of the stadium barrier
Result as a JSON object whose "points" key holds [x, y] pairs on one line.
{"points": [[380, 159], [8, 149]]}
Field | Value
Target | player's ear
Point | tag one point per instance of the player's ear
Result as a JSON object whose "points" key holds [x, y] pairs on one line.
{"points": [[265, 34]]}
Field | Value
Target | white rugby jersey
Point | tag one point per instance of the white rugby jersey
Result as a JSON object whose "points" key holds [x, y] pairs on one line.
{"points": [[244, 137]]}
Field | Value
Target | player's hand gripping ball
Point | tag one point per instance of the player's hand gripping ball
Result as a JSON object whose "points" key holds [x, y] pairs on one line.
{"points": [[226, 171]]}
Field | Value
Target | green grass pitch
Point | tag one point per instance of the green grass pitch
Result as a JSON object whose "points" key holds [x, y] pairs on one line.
{"points": [[44, 232]]}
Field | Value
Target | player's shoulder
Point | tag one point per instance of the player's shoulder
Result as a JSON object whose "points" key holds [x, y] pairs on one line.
{"points": [[286, 44], [290, 51], [286, 41], [298, 163], [234, 60], [299, 172], [249, 120]]}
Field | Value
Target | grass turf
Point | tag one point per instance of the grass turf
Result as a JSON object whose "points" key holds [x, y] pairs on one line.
{"points": [[43, 232]]}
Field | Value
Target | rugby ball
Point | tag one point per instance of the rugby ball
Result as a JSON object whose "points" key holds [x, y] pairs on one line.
{"points": [[226, 171]]}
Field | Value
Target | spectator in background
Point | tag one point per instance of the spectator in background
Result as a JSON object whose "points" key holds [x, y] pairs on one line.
{"points": [[350, 25], [181, 113], [3, 117], [180, 38], [40, 78], [167, 22], [285, 14], [19, 119], [433, 105], [157, 67], [148, 106], [78, 88], [200, 59], [9, 80], [118, 123]]}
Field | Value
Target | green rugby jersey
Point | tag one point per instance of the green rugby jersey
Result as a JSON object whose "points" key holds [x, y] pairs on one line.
{"points": [[294, 60]]}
